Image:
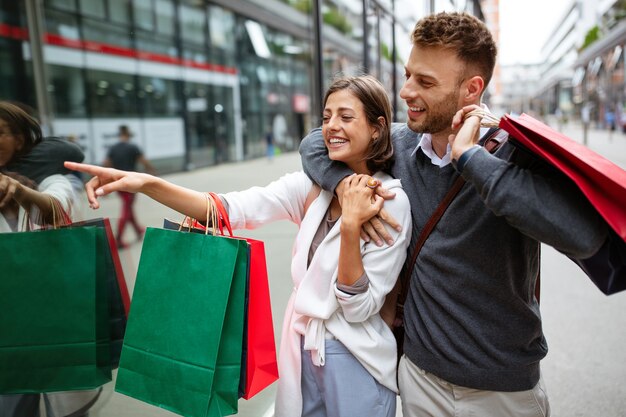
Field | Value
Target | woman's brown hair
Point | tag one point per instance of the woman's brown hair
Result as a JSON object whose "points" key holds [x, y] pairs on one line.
{"points": [[22, 125]]}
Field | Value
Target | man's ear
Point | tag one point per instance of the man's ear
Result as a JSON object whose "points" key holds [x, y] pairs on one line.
{"points": [[474, 89]]}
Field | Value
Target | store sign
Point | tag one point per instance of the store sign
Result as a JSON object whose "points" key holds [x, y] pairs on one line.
{"points": [[301, 103]]}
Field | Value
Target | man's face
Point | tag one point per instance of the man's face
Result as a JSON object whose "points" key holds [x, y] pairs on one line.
{"points": [[432, 88]]}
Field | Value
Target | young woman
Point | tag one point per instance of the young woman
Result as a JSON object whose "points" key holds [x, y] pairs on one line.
{"points": [[337, 355]]}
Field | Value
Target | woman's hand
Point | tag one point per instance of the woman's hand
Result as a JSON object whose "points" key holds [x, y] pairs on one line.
{"points": [[108, 180], [359, 202], [10, 190]]}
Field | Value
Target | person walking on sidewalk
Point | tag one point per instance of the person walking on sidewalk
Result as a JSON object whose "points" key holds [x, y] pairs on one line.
{"points": [[473, 338], [125, 156]]}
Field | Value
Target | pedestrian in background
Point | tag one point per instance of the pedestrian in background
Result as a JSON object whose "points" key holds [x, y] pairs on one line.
{"points": [[473, 336], [269, 143], [337, 356], [125, 156]]}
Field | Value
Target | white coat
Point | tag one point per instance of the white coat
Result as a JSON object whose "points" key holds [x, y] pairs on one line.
{"points": [[316, 305]]}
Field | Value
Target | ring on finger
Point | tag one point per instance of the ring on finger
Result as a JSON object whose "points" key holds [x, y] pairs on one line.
{"points": [[372, 183]]}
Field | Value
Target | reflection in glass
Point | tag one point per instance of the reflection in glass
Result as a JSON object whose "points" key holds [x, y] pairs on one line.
{"points": [[93, 8], [120, 11], [67, 89], [192, 24], [143, 12], [165, 17], [111, 94]]}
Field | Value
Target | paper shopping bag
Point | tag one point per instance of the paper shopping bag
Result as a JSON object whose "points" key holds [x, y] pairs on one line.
{"points": [[602, 183], [261, 366], [187, 310], [119, 300], [54, 333]]}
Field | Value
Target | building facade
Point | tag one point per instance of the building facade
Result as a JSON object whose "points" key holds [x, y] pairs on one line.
{"points": [[199, 82]]}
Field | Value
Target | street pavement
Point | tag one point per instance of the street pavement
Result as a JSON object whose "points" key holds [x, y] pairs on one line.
{"points": [[585, 370]]}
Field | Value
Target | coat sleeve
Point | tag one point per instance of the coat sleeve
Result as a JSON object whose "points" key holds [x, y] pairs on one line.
{"points": [[538, 200], [59, 187], [282, 199], [382, 265]]}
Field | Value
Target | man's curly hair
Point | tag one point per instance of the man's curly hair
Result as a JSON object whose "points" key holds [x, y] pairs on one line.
{"points": [[465, 34]]}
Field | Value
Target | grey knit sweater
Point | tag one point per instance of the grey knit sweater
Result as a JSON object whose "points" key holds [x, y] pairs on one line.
{"points": [[471, 317]]}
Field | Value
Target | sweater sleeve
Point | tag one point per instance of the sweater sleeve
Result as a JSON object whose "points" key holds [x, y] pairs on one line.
{"points": [[382, 265], [317, 165], [282, 199], [538, 200]]}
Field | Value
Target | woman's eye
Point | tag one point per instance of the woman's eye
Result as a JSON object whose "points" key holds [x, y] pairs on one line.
{"points": [[347, 118]]}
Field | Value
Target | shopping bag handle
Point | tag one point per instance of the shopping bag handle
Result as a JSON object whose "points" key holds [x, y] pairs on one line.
{"points": [[486, 118], [222, 214]]}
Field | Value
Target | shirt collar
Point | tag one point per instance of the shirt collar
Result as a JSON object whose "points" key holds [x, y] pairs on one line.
{"points": [[426, 144]]}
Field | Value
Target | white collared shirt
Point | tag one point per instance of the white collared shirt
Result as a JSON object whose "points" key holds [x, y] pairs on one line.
{"points": [[426, 143]]}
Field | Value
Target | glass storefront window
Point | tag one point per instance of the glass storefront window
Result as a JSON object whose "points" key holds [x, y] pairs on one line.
{"points": [[192, 23], [144, 14], [111, 94], [103, 32], [158, 97], [165, 17], [67, 91], [62, 24], [119, 10], [148, 42], [93, 8], [63, 4], [222, 28]]}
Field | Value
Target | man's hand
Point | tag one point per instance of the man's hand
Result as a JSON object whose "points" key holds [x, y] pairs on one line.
{"points": [[468, 131], [375, 229]]}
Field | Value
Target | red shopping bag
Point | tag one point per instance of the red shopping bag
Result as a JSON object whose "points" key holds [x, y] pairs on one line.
{"points": [[602, 182], [261, 367]]}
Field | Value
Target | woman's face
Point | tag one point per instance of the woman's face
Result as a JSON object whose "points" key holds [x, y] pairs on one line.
{"points": [[9, 143], [347, 134]]}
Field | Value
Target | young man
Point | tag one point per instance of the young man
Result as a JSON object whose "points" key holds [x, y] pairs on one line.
{"points": [[473, 338]]}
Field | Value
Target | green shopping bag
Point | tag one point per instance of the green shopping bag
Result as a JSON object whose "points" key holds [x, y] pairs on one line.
{"points": [[187, 309], [54, 333]]}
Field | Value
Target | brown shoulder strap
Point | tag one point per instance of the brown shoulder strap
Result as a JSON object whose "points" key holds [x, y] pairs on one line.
{"points": [[491, 144]]}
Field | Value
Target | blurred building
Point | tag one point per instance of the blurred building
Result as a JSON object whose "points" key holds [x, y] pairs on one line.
{"points": [[517, 81], [598, 80], [582, 64], [198, 82]]}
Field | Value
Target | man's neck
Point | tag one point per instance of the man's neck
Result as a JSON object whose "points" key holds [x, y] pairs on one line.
{"points": [[440, 143]]}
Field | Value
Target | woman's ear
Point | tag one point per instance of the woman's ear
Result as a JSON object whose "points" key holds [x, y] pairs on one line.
{"points": [[378, 127]]}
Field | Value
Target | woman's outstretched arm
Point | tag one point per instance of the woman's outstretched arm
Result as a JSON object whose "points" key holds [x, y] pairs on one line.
{"points": [[107, 180]]}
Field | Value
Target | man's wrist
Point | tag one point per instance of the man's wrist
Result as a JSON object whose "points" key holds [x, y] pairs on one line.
{"points": [[464, 158]]}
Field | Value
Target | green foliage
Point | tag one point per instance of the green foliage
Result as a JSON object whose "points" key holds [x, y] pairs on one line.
{"points": [[335, 19], [304, 6], [592, 35]]}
